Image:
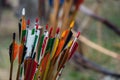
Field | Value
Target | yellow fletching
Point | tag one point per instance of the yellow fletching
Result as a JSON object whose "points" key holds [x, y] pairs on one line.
{"points": [[72, 24], [55, 47], [70, 43], [63, 34]]}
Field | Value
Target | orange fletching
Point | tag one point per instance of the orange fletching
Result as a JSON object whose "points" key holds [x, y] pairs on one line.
{"points": [[62, 42], [72, 24], [44, 61], [43, 65], [15, 51], [23, 23], [20, 53]]}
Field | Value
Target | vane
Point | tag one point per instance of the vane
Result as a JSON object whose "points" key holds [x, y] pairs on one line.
{"points": [[53, 50], [30, 69], [71, 50], [13, 51]]}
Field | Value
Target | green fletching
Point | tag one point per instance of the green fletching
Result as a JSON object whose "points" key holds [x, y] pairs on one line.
{"points": [[33, 31], [36, 37], [23, 35], [49, 45], [40, 46]]}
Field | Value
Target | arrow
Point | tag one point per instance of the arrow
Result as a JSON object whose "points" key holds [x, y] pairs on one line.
{"points": [[19, 25], [23, 25], [65, 37], [30, 69], [37, 33], [48, 51], [22, 52], [74, 46], [70, 52], [13, 51], [63, 58], [22, 47]]}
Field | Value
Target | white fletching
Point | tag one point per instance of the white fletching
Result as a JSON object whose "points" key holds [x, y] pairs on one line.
{"points": [[23, 11]]}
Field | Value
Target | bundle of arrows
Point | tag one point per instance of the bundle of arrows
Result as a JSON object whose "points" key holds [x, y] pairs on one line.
{"points": [[41, 56]]}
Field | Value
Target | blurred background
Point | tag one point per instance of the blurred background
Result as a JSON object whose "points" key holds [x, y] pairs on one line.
{"points": [[92, 29]]}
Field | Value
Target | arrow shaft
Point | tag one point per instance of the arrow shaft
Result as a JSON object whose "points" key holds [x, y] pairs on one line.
{"points": [[11, 70]]}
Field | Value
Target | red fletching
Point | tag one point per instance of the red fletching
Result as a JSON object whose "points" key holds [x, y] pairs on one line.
{"points": [[30, 69], [78, 34], [78, 3], [47, 27], [36, 20], [75, 45], [28, 22], [43, 45], [50, 30], [58, 30], [37, 26], [24, 39]]}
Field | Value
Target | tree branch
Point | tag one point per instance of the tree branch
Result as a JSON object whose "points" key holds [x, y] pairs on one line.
{"points": [[97, 47], [86, 63], [101, 19]]}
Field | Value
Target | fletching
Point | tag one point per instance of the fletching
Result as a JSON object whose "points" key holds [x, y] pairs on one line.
{"points": [[23, 38], [44, 61], [15, 52], [74, 46], [13, 49], [40, 46], [28, 22], [49, 45], [23, 23], [22, 52], [53, 49], [43, 65], [56, 42], [10, 52], [73, 49], [30, 69], [72, 24], [64, 56], [19, 25], [55, 45], [29, 43], [61, 43], [78, 3], [68, 38]]}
